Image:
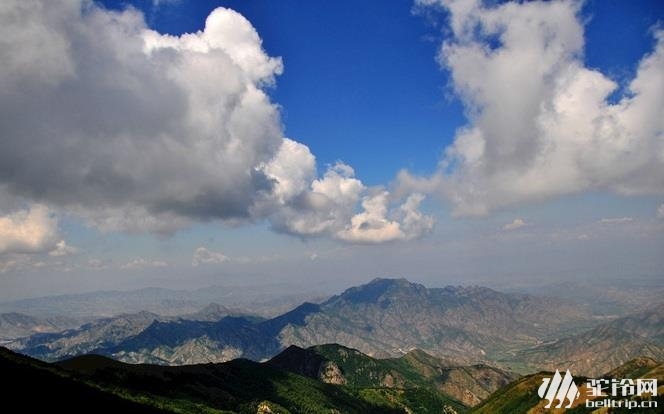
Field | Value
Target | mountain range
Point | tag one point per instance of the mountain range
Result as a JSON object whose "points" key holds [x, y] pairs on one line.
{"points": [[385, 318]]}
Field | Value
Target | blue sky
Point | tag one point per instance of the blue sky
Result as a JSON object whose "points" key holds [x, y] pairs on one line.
{"points": [[354, 73], [360, 73], [320, 144]]}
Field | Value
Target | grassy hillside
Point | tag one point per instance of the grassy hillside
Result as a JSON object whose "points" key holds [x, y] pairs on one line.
{"points": [[413, 384], [337, 364], [245, 386]]}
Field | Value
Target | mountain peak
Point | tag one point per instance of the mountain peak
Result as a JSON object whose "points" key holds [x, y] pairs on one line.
{"points": [[376, 289], [400, 281]]}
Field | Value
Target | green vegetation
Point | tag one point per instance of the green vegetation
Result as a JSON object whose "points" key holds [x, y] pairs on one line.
{"points": [[417, 385], [242, 386], [463, 386], [518, 397]]}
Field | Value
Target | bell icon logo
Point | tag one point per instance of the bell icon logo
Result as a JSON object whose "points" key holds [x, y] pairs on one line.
{"points": [[559, 388]]}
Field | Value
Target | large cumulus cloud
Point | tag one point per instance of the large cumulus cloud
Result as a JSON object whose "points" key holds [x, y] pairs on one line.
{"points": [[540, 122], [133, 130], [104, 115]]}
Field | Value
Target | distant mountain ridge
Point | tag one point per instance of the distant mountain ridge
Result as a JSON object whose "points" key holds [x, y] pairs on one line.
{"points": [[610, 344], [100, 333], [264, 301], [185, 342], [389, 317], [108, 332], [15, 325], [384, 318]]}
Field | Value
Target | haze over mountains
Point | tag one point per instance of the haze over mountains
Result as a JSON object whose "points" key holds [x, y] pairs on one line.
{"points": [[266, 300], [388, 346], [384, 318], [608, 345], [15, 325]]}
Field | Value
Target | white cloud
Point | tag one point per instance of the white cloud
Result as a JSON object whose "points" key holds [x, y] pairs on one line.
{"points": [[140, 263], [28, 231], [372, 225], [328, 208], [413, 223], [62, 249], [660, 211], [139, 131], [540, 124], [517, 223], [292, 169], [133, 124], [616, 220], [203, 255], [328, 204]]}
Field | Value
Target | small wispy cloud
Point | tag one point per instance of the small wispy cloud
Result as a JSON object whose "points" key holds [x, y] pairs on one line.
{"points": [[157, 3], [140, 263], [97, 264], [517, 223], [62, 249], [203, 255], [616, 220], [660, 211]]}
